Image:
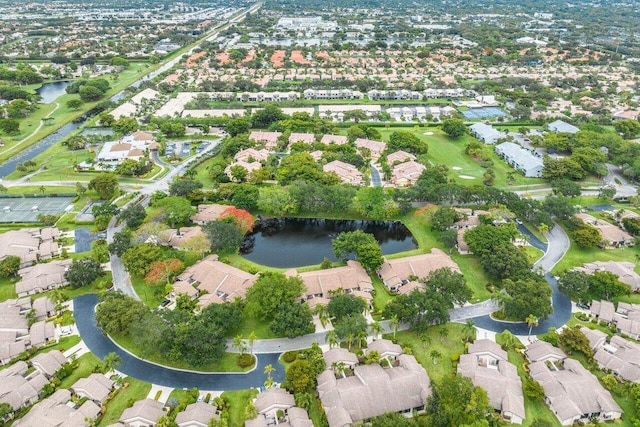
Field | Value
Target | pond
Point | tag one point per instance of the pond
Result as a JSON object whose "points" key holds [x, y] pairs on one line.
{"points": [[51, 91], [296, 242]]}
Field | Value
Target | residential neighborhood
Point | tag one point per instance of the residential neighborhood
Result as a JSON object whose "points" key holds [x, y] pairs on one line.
{"points": [[287, 213]]}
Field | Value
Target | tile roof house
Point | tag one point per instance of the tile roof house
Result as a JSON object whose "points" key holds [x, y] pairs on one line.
{"points": [[399, 157], [48, 363], [560, 126], [573, 393], [95, 387], [270, 139], [626, 317], [623, 269], [57, 410], [398, 272], [375, 147], [351, 278], [407, 173], [619, 356], [43, 308], [197, 415], [487, 366], [386, 349], [30, 244], [334, 139], [347, 173], [19, 390], [41, 333], [485, 133], [527, 162], [42, 277], [251, 154], [181, 237], [612, 236], [221, 282], [209, 212], [270, 402], [603, 310], [307, 138], [339, 355], [143, 413], [373, 390]]}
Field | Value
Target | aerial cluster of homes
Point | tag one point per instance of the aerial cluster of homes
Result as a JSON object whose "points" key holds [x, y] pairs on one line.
{"points": [[405, 170], [22, 385], [351, 391]]}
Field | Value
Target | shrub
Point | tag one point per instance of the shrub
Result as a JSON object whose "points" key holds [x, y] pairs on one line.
{"points": [[455, 357], [245, 360], [290, 356]]}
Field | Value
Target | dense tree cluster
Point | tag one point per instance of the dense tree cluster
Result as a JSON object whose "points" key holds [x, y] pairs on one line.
{"points": [[83, 272], [179, 335], [430, 305], [601, 285], [276, 298], [363, 246]]}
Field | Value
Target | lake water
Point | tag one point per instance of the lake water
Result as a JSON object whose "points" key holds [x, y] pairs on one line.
{"points": [[51, 91], [296, 242]]}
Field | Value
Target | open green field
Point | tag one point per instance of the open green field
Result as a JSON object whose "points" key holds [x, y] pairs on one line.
{"points": [[577, 256]]}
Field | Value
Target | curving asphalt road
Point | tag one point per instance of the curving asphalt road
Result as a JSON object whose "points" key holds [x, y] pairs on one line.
{"points": [[101, 345], [555, 250], [269, 350]]}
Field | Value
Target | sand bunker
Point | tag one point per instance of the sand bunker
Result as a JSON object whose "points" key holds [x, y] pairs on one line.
{"points": [[466, 177], [428, 133], [456, 168]]}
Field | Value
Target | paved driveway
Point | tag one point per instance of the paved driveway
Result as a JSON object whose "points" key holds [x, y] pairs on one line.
{"points": [[101, 345]]}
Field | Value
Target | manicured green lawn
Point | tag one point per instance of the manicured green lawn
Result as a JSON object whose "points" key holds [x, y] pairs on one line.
{"points": [[447, 346], [462, 168], [8, 288], [238, 400], [86, 366], [253, 324], [383, 296], [228, 362], [135, 390], [149, 294]]}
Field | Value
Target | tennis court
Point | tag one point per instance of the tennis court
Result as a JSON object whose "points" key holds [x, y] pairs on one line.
{"points": [[483, 113], [27, 209]]}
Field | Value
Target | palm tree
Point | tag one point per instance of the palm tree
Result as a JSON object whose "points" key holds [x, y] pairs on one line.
{"points": [[426, 340], [323, 314], [444, 333], [252, 340], [531, 321], [339, 368], [376, 329], [350, 338], [543, 228], [332, 338], [394, 322], [239, 343], [469, 330], [509, 341], [268, 371], [435, 356], [362, 336], [111, 361]]}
